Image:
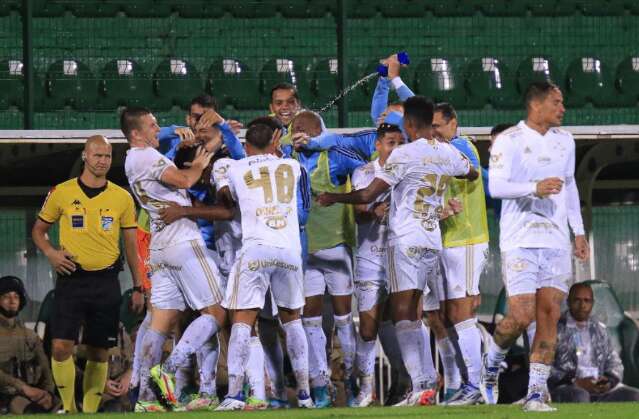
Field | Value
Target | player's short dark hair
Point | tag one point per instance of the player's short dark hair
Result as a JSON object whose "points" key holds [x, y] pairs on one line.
{"points": [[386, 128], [259, 136], [184, 155], [499, 128], [274, 123], [538, 90], [130, 119], [419, 111], [286, 86], [447, 111], [205, 101]]}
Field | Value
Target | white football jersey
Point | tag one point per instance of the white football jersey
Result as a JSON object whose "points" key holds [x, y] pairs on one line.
{"points": [[419, 173], [371, 236], [144, 168], [228, 234], [522, 155], [265, 188]]}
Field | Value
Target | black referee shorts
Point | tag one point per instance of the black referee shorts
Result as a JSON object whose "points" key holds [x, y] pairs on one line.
{"points": [[88, 299]]}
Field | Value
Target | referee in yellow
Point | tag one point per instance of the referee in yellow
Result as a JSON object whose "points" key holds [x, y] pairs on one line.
{"points": [[91, 211]]}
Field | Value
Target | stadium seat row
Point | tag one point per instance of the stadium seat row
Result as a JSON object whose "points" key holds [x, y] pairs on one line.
{"points": [[469, 84], [319, 8]]}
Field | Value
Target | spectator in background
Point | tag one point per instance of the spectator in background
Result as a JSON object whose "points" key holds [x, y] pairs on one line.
{"points": [[587, 368], [26, 384]]}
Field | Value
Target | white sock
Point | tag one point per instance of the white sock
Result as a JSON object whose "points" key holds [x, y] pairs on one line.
{"points": [[151, 356], [348, 341], [196, 334], [298, 352], [452, 377], [137, 354], [366, 363], [207, 357], [238, 356], [416, 353], [255, 369], [538, 377], [470, 345], [495, 355], [317, 362], [273, 357], [388, 339], [183, 377]]}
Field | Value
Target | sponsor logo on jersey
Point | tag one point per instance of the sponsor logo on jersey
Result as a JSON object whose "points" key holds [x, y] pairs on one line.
{"points": [[77, 221], [254, 265]]}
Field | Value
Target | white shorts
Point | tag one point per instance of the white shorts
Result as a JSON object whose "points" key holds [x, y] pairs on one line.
{"points": [[410, 267], [525, 270], [463, 266], [259, 267], [434, 289], [185, 275], [371, 287], [329, 269]]}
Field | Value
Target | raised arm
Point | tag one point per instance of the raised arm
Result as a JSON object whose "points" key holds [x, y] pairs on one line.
{"points": [[232, 143], [380, 98]]}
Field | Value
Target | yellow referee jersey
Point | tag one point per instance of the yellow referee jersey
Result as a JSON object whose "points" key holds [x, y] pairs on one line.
{"points": [[90, 227]]}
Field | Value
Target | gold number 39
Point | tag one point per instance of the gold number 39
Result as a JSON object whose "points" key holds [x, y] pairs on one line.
{"points": [[284, 183]]}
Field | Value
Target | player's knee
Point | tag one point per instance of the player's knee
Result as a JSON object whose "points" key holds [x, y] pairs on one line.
{"points": [[61, 351], [368, 332]]}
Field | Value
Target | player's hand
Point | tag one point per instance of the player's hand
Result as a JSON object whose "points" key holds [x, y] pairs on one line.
{"points": [[393, 66], [381, 211], [47, 401], [114, 388], [208, 119], [235, 126], [582, 249], [549, 186], [137, 302], [324, 200], [187, 137], [299, 140], [172, 213], [62, 261], [587, 384], [455, 205], [202, 158], [215, 143], [602, 385]]}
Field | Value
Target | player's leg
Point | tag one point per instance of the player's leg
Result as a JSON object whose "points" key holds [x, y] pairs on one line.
{"points": [[400, 380], [256, 399], [408, 270], [339, 282], [370, 297], [269, 331], [520, 271], [314, 288]]}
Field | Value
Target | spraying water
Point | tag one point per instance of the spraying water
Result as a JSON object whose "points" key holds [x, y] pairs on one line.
{"points": [[346, 91]]}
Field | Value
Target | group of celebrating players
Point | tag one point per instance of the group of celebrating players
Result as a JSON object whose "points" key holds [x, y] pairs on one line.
{"points": [[253, 236]]}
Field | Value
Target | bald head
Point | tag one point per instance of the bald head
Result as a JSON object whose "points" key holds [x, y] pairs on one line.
{"points": [[97, 157], [307, 122]]}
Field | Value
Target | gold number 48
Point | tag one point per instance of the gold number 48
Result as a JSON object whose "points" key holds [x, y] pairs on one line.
{"points": [[284, 183]]}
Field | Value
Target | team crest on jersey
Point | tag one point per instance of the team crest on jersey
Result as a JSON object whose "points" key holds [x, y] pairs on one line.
{"points": [[107, 223], [494, 158]]}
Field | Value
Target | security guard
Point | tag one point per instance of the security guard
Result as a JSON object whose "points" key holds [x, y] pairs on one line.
{"points": [[26, 385], [91, 211]]}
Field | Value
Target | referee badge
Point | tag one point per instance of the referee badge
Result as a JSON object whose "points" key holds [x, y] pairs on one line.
{"points": [[107, 223]]}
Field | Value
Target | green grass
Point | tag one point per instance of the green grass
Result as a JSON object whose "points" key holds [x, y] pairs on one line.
{"points": [[580, 411]]}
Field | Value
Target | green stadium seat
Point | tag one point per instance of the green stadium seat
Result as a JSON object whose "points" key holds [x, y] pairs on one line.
{"points": [[99, 8], [124, 83], [452, 7], [147, 8], [403, 8], [191, 9], [250, 9], [279, 70], [502, 7], [601, 7], [488, 80], [48, 8], [553, 7], [440, 79], [362, 9], [536, 68], [233, 83], [308, 8], [70, 82], [7, 5], [627, 81], [622, 329], [589, 80], [11, 84], [176, 82]]}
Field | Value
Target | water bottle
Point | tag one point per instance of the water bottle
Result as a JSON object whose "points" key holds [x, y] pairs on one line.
{"points": [[402, 57]]}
